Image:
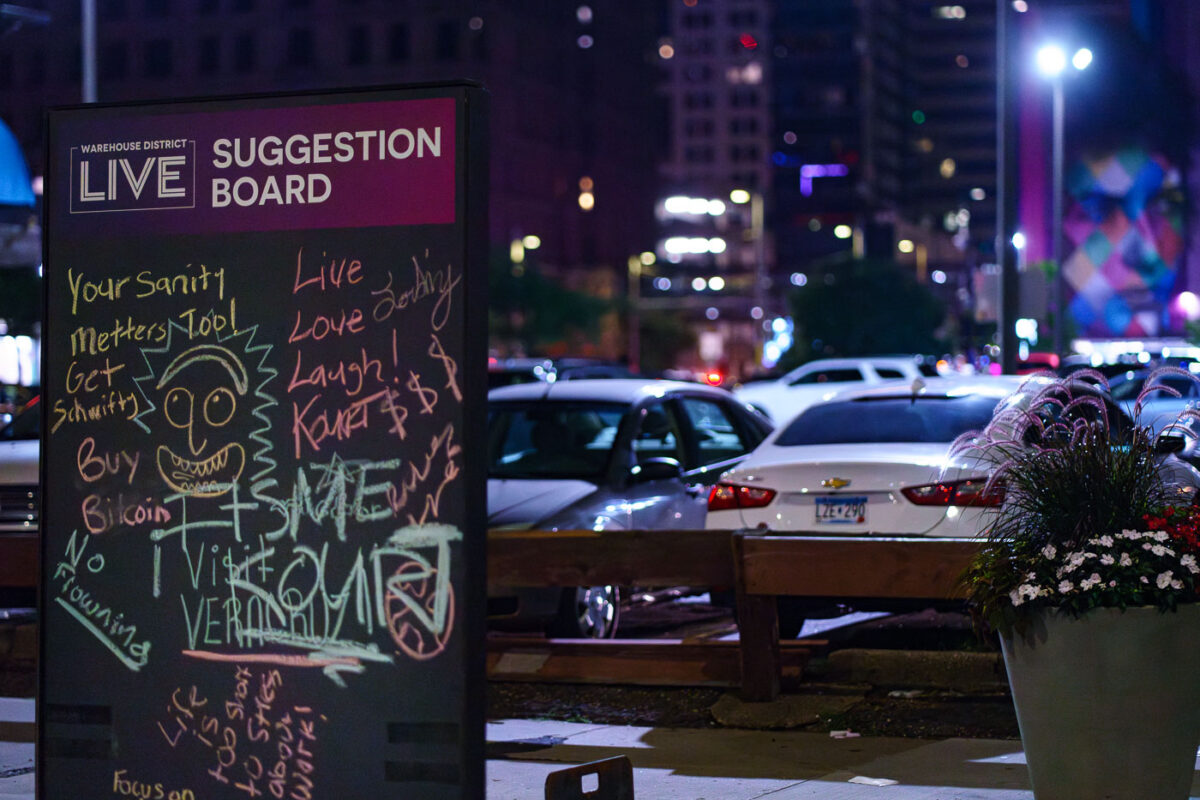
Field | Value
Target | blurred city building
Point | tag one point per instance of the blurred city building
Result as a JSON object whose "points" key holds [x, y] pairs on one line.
{"points": [[575, 117], [695, 161], [855, 141]]}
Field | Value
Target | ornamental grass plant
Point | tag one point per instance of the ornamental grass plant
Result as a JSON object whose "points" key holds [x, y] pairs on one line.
{"points": [[1097, 512]]}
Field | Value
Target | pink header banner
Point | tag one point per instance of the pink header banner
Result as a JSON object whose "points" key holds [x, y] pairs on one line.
{"points": [[336, 165]]}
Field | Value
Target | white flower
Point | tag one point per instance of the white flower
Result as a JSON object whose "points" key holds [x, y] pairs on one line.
{"points": [[1189, 561], [1132, 536], [1089, 582], [1075, 559], [1159, 550], [1049, 552], [1107, 560], [1025, 591], [1126, 561], [1104, 541], [1065, 587], [1112, 584], [1164, 580], [1144, 579], [1161, 536]]}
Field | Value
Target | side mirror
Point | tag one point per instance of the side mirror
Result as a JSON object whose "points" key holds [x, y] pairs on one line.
{"points": [[656, 469], [1169, 443]]}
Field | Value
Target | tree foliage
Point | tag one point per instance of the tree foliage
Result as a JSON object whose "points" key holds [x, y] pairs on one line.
{"points": [[863, 307], [529, 312]]}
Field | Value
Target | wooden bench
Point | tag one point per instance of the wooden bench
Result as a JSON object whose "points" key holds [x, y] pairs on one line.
{"points": [[760, 567], [768, 566]]}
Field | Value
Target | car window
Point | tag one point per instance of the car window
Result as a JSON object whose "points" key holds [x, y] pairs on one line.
{"points": [[1127, 389], [1185, 386], [921, 419], [1116, 422], [887, 373], [26, 425], [1130, 389], [829, 376], [718, 437], [552, 439], [658, 435]]}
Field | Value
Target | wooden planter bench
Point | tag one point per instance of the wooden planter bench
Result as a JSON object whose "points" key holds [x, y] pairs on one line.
{"points": [[760, 567]]}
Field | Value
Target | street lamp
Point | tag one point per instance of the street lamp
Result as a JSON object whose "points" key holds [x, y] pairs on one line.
{"points": [[1052, 62], [755, 199]]}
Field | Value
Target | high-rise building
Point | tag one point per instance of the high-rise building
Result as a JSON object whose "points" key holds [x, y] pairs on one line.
{"points": [[575, 118], [714, 251]]}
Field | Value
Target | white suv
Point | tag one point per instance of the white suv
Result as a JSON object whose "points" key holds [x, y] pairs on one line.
{"points": [[820, 380]]}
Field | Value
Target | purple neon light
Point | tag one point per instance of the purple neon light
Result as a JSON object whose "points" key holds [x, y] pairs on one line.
{"points": [[810, 171]]}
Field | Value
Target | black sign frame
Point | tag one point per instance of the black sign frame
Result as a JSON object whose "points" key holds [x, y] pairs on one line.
{"points": [[340, 676]]}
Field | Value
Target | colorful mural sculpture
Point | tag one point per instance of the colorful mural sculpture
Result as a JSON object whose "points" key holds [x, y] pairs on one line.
{"points": [[1124, 237]]}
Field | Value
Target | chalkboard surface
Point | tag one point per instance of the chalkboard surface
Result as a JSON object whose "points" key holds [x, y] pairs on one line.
{"points": [[262, 538]]}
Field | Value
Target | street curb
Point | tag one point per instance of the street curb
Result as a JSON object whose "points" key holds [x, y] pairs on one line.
{"points": [[785, 711], [949, 670]]}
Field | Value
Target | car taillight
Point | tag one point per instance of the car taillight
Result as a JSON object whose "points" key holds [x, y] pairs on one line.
{"points": [[954, 493], [724, 496]]}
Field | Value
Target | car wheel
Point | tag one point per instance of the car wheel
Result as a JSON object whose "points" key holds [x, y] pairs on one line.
{"points": [[587, 612]]}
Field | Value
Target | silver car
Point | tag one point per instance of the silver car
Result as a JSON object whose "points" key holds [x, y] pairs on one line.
{"points": [[604, 454]]}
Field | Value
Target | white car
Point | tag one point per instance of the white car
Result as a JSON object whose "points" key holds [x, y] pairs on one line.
{"points": [[820, 380], [604, 454], [878, 462], [872, 461], [1156, 408]]}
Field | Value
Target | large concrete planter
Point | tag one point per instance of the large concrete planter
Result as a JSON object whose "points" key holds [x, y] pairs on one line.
{"points": [[1109, 703]]}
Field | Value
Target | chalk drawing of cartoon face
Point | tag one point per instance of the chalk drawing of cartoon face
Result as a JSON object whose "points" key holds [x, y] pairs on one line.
{"points": [[201, 389]]}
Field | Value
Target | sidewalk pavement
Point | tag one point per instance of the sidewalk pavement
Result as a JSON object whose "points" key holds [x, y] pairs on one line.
{"points": [[689, 763]]}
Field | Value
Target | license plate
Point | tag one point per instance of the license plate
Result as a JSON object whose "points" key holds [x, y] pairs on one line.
{"points": [[841, 510]]}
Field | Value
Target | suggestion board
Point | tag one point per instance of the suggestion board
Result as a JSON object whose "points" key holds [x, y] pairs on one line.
{"points": [[263, 530]]}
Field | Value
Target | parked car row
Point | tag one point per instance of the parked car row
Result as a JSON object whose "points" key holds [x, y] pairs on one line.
{"points": [[820, 380], [874, 460], [869, 456]]}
